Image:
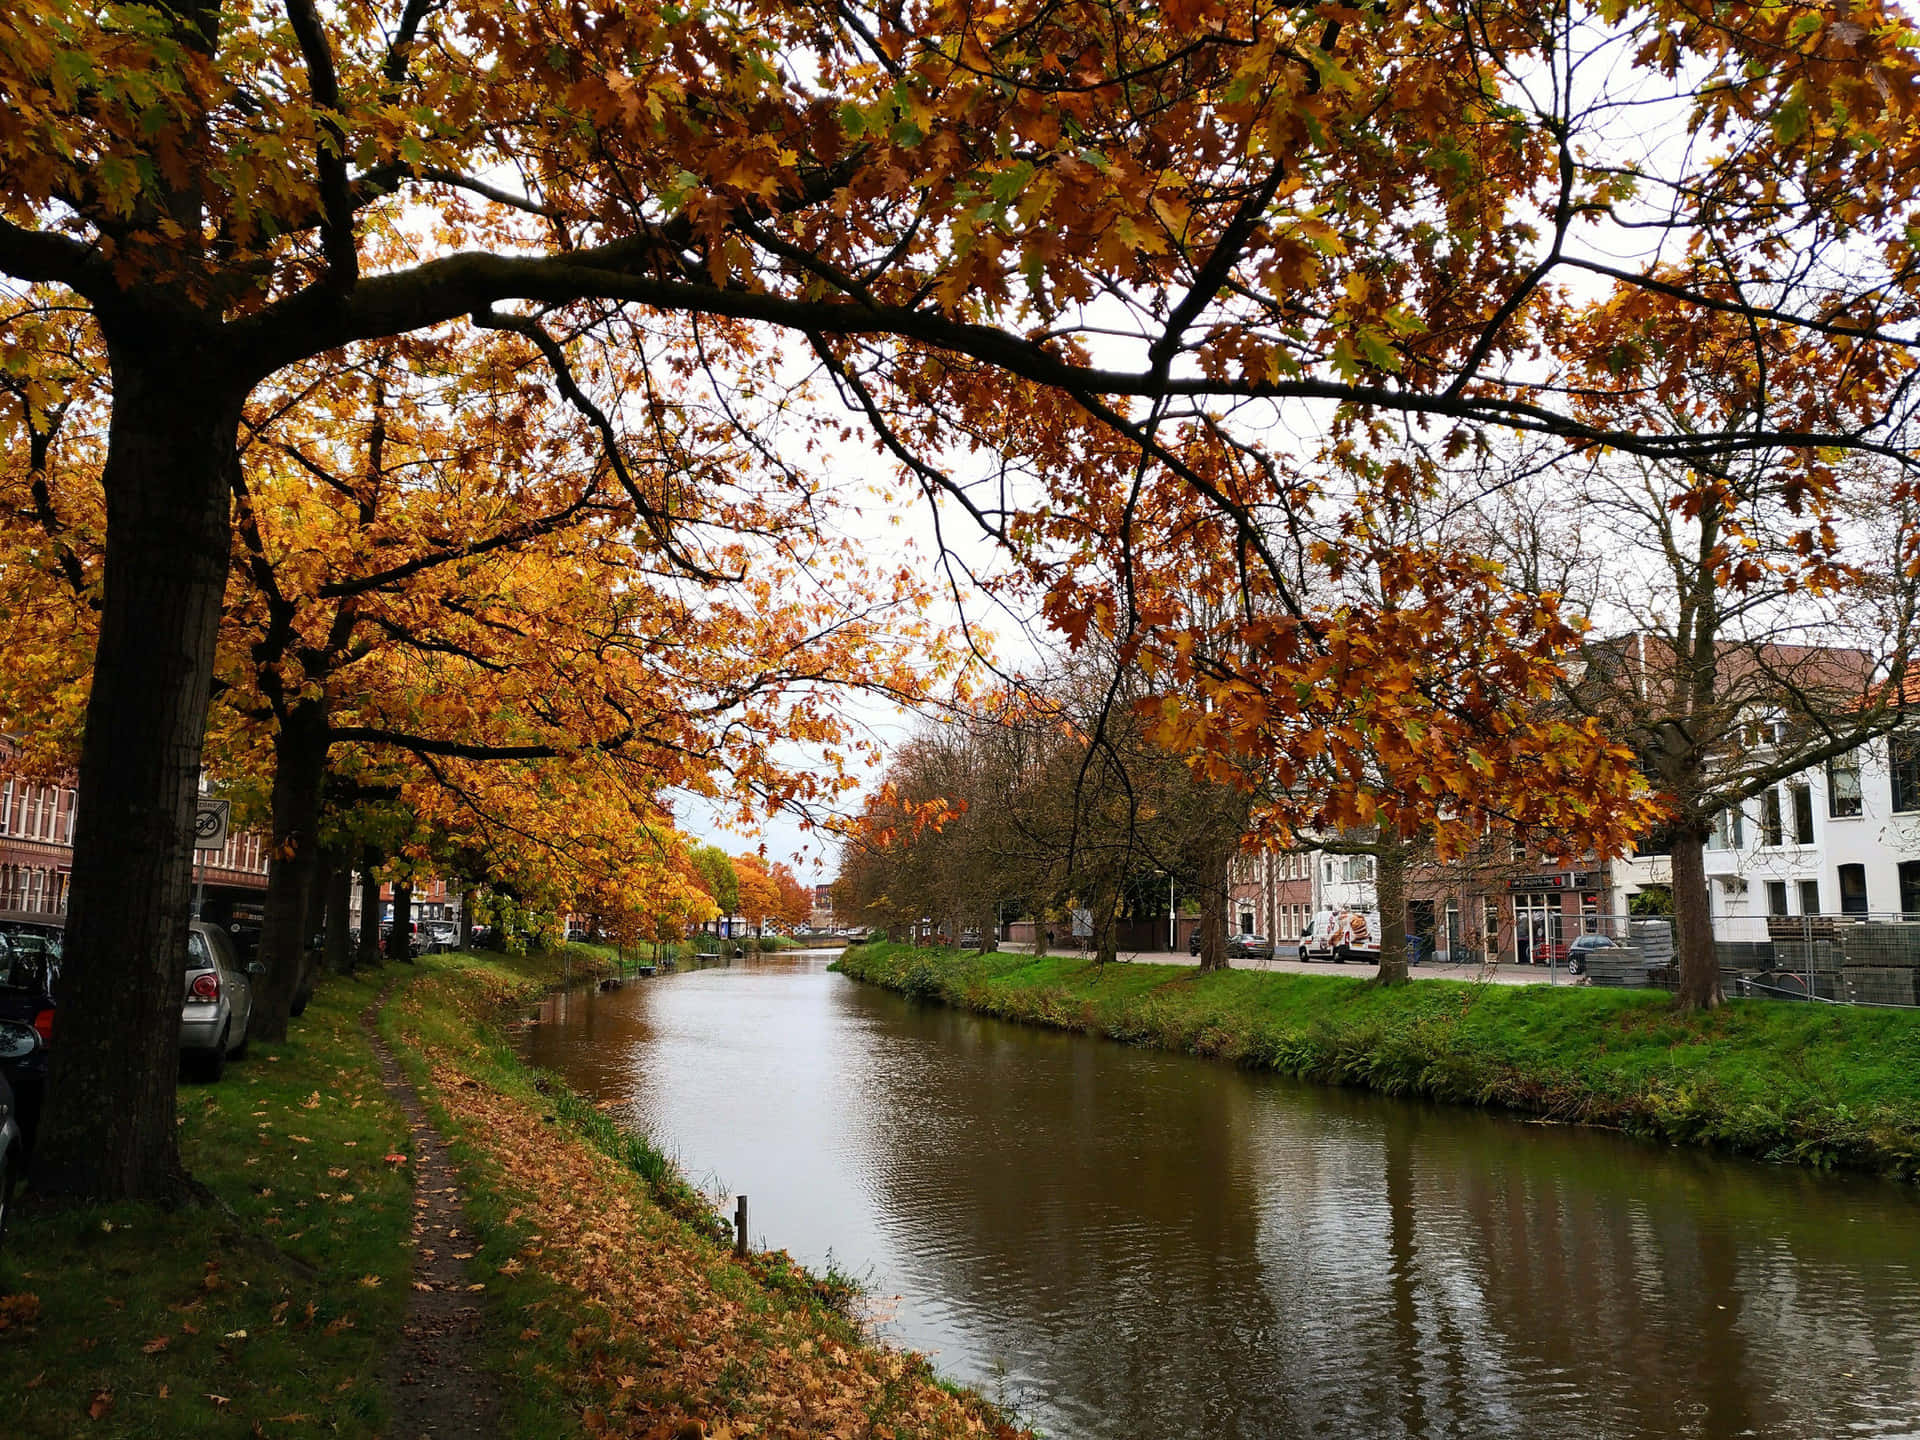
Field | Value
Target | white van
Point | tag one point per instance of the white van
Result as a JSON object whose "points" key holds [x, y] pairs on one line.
{"points": [[1340, 935]]}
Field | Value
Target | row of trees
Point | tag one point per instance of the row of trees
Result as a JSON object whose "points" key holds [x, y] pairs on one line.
{"points": [[1046, 800], [1212, 255]]}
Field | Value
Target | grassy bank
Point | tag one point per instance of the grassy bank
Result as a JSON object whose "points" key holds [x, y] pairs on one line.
{"points": [[268, 1314], [1810, 1084], [613, 1302]]}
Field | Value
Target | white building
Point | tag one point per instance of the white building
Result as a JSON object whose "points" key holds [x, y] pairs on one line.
{"points": [[1838, 839]]}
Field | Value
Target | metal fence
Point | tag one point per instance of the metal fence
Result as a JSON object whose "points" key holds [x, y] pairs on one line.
{"points": [[1851, 959]]}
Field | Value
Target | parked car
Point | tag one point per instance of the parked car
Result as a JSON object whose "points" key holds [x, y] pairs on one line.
{"points": [[1193, 941], [1342, 935], [15, 1041], [218, 1008], [1249, 947], [30, 952], [1582, 944]]}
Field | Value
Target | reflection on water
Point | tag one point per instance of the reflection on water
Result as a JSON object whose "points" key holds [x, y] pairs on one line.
{"points": [[1132, 1244]]}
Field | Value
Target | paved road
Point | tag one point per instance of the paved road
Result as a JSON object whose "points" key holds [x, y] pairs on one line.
{"points": [[1499, 974]]}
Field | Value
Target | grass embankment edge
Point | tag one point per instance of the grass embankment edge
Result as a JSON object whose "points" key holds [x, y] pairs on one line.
{"points": [[1817, 1085], [615, 1303]]}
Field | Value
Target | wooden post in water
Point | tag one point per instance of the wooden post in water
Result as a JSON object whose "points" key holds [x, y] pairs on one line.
{"points": [[740, 1227]]}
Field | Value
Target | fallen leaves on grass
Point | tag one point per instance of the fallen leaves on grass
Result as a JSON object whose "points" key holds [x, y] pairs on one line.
{"points": [[725, 1358]]}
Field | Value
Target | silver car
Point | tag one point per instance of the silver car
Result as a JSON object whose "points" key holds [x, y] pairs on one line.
{"points": [[219, 1002]]}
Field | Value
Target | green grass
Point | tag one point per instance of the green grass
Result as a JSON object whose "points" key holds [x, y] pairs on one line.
{"points": [[279, 1304], [269, 1315], [1812, 1084]]}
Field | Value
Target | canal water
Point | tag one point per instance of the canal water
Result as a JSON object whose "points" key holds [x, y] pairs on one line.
{"points": [[1131, 1244]]}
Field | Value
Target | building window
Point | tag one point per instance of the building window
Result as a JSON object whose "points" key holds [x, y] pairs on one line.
{"points": [[1776, 897], [1910, 889], [6, 809], [1770, 829], [1732, 828], [1809, 897], [1843, 785], [1853, 889], [1802, 813], [1903, 756]]}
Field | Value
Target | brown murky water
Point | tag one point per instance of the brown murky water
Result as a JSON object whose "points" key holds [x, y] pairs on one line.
{"points": [[1130, 1244]]}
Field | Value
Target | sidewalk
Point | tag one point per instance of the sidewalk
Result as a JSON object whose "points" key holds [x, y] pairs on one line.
{"points": [[1427, 970]]}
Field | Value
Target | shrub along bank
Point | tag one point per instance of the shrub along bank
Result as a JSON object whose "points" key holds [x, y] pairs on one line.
{"points": [[1811, 1084]]}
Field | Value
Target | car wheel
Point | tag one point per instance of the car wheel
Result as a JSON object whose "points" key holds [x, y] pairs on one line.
{"points": [[1339, 954]]}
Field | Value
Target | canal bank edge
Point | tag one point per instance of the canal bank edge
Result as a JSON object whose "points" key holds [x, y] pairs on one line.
{"points": [[613, 1296], [1824, 1086]]}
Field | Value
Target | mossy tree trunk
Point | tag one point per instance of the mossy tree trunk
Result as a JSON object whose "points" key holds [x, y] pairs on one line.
{"points": [[1216, 865], [1693, 921], [1390, 891]]}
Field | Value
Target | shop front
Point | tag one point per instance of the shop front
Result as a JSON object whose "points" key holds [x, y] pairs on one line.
{"points": [[1549, 909]]}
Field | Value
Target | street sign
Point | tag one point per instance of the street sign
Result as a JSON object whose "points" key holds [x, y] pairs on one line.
{"points": [[210, 825], [1083, 922]]}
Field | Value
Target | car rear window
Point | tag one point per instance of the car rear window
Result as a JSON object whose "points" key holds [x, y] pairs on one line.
{"points": [[29, 960], [198, 956]]}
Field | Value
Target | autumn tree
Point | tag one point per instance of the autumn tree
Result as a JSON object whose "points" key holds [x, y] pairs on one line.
{"points": [[1252, 207], [794, 907], [1753, 615], [715, 872]]}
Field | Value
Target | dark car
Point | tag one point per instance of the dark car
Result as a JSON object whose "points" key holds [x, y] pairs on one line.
{"points": [[1582, 944], [1193, 941], [1249, 947], [18, 1043], [30, 952]]}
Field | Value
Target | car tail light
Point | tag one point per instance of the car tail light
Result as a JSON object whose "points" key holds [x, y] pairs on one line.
{"points": [[205, 986], [43, 1022]]}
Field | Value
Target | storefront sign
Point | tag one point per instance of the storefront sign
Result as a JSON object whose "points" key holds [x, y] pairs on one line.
{"points": [[1559, 880]]}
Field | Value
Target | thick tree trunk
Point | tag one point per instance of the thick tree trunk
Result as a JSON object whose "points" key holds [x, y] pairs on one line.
{"points": [[989, 927], [109, 1128], [400, 937], [299, 778], [369, 910], [1390, 892], [324, 866], [1693, 921], [339, 956], [1216, 865]]}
